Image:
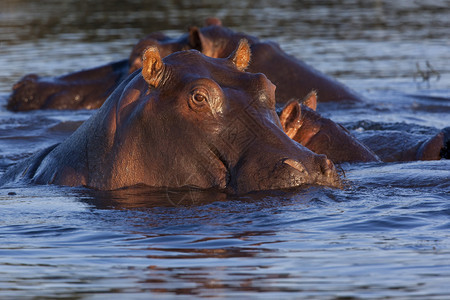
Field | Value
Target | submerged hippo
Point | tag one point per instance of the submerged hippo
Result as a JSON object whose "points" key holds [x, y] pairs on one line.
{"points": [[321, 135], [394, 145], [187, 120], [83, 89]]}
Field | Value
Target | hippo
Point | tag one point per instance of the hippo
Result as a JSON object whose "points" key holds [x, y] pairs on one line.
{"points": [[303, 124], [393, 145], [86, 89], [185, 120]]}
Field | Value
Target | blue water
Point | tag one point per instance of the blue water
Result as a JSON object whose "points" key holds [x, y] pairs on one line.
{"points": [[386, 235]]}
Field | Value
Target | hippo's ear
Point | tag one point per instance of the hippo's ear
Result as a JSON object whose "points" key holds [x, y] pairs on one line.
{"points": [[290, 118], [152, 66], [241, 56], [311, 100], [195, 38], [200, 42]]}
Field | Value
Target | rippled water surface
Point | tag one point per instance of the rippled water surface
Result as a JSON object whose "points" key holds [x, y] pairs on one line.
{"points": [[387, 235]]}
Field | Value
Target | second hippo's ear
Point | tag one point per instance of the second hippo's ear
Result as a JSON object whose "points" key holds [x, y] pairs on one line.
{"points": [[290, 118], [195, 38], [152, 66], [241, 56], [311, 100]]}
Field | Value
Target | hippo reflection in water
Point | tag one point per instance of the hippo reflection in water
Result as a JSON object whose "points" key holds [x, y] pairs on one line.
{"points": [[187, 120]]}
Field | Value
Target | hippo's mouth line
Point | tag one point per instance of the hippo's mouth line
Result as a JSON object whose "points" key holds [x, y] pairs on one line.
{"points": [[221, 158]]}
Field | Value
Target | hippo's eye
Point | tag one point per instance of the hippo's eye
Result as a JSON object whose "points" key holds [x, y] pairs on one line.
{"points": [[199, 97]]}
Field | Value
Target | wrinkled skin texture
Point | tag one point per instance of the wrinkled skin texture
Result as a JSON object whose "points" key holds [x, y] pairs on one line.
{"points": [[321, 135], [187, 120]]}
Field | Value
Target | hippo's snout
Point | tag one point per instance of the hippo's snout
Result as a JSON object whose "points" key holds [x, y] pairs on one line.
{"points": [[327, 167], [327, 174], [324, 172], [24, 94], [286, 173]]}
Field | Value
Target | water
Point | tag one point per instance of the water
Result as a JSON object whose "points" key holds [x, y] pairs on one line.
{"points": [[387, 235]]}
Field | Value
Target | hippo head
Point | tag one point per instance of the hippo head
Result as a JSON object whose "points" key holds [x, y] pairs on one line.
{"points": [[204, 122], [192, 120], [303, 124], [25, 94]]}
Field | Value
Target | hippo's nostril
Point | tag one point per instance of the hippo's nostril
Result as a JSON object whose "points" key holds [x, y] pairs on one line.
{"points": [[296, 165], [327, 167]]}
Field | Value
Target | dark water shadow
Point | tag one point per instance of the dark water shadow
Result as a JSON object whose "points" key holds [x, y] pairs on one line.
{"points": [[141, 197]]}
